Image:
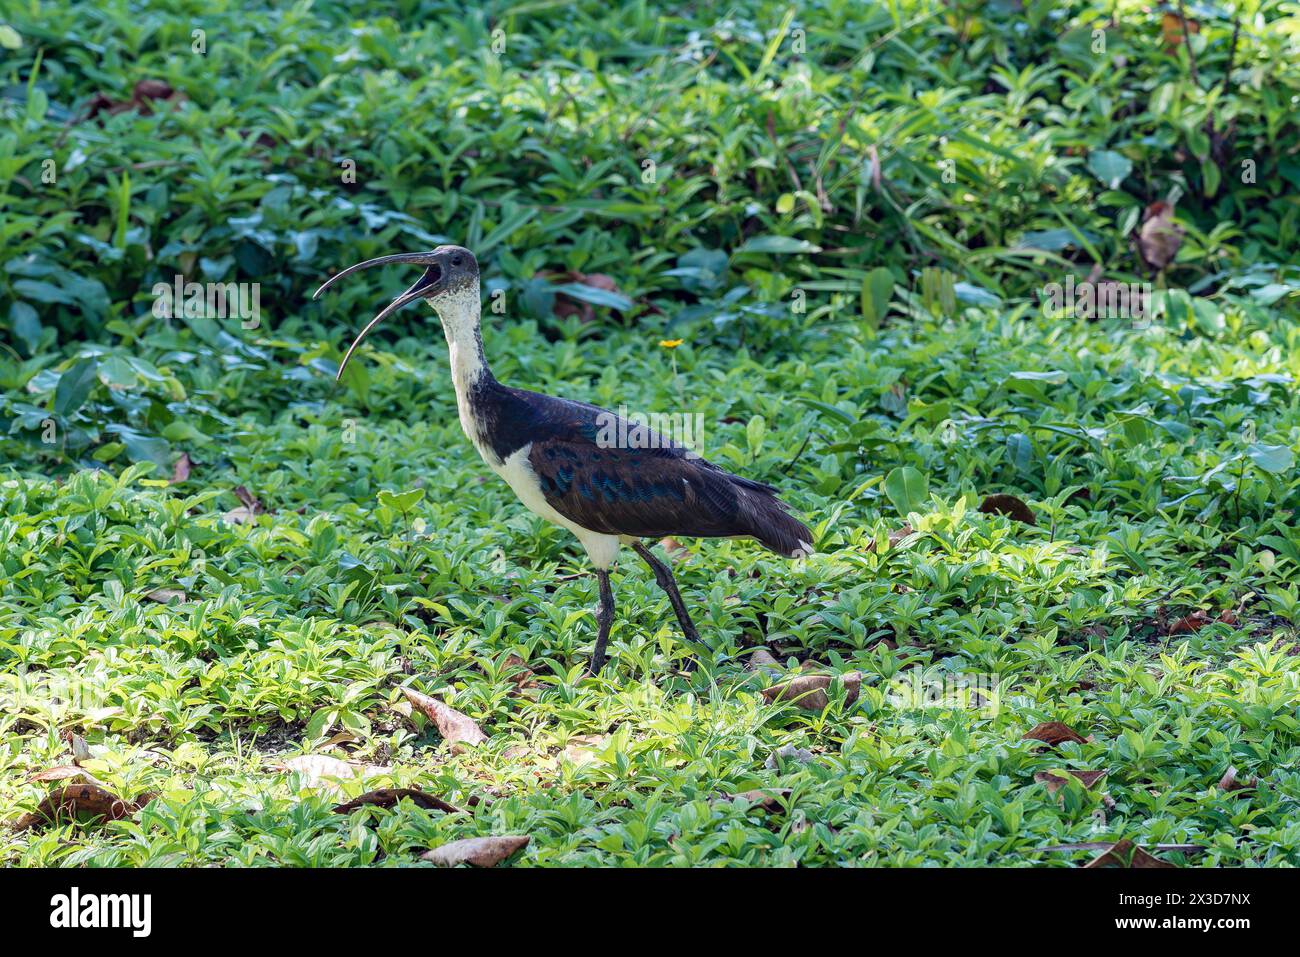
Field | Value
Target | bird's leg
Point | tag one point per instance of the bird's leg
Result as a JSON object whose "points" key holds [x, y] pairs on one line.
{"points": [[604, 620], [664, 576]]}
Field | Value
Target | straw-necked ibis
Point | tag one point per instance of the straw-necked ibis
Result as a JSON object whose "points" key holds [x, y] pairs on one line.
{"points": [[555, 454]]}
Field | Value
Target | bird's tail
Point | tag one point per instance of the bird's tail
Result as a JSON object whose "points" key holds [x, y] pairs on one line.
{"points": [[772, 524]]}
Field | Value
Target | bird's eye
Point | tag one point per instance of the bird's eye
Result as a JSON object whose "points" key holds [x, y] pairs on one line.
{"points": [[455, 260]]}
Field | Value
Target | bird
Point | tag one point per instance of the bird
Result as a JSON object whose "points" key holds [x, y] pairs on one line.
{"points": [[609, 480]]}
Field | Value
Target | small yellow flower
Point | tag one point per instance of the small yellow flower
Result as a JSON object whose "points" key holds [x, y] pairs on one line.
{"points": [[671, 343]]}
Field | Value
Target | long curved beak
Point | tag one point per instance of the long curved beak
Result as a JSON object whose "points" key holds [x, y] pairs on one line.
{"points": [[422, 288]]}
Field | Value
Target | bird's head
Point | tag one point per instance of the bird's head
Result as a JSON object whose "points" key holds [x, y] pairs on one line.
{"points": [[450, 282]]}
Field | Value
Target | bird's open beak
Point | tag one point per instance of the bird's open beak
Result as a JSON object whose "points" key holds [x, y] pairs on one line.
{"points": [[426, 285]]}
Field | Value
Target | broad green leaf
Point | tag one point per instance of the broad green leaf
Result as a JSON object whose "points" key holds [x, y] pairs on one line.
{"points": [[1109, 167], [401, 501], [1274, 459], [75, 385], [778, 244], [907, 489]]}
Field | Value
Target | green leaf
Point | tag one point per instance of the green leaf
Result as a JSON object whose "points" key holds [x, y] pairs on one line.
{"points": [[1020, 450], [141, 447], [595, 296], [401, 501], [116, 371], [1274, 459], [75, 385], [1110, 167], [26, 325], [320, 723], [42, 291], [877, 291], [9, 37], [907, 490], [778, 244]]}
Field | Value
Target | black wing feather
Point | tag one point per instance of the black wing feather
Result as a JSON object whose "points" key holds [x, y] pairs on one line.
{"points": [[653, 488]]}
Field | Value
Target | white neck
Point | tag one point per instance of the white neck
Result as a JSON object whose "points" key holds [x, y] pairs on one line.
{"points": [[459, 313]]}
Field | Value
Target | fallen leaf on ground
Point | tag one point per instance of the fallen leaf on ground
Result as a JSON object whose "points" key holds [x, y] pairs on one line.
{"points": [[457, 729], [240, 516], [809, 691], [478, 851], [1159, 238], [181, 470], [1008, 505], [675, 549], [75, 799], [78, 746], [1230, 781], [320, 768], [762, 658], [388, 797], [64, 772], [143, 95], [522, 676], [1190, 624], [249, 500], [1056, 779], [1053, 733], [584, 748], [895, 537], [164, 595], [1124, 853]]}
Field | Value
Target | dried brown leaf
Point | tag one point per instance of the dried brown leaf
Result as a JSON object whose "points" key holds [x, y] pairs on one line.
{"points": [[1190, 624], [457, 729], [675, 550], [249, 500], [78, 746], [895, 537], [809, 691], [1160, 237], [77, 799], [1124, 853], [585, 748], [522, 676], [478, 851], [181, 470], [762, 658], [1230, 781], [64, 772], [1008, 505], [240, 516], [1053, 733], [1056, 779], [164, 595]]}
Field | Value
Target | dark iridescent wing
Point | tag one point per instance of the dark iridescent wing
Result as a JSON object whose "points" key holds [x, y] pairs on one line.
{"points": [[646, 492]]}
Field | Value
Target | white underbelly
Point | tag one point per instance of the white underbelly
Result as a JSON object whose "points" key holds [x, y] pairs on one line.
{"points": [[519, 475]]}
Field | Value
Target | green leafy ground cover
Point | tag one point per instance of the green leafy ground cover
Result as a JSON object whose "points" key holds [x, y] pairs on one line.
{"points": [[1152, 605]]}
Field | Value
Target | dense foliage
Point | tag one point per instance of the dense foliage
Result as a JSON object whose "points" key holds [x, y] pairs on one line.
{"points": [[846, 212]]}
